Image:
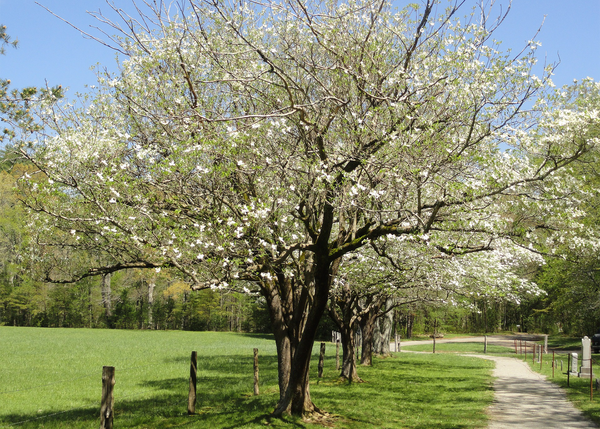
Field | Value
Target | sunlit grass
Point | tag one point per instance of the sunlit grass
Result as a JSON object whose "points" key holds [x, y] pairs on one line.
{"points": [[578, 389], [51, 378], [466, 347]]}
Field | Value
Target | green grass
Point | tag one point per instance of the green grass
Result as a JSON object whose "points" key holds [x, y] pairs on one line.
{"points": [[51, 378], [564, 343], [578, 390], [474, 347]]}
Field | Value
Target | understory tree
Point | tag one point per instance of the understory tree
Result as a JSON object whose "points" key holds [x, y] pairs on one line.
{"points": [[253, 146]]}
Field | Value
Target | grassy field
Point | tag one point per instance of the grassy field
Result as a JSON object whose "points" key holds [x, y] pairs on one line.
{"points": [[467, 347], [51, 378]]}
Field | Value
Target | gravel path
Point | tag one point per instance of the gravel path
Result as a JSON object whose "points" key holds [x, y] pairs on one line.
{"points": [[523, 398]]}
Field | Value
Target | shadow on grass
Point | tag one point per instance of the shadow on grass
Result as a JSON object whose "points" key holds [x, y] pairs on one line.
{"points": [[270, 337], [224, 398], [395, 388], [413, 391]]}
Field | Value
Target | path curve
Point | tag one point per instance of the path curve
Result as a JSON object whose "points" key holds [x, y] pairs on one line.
{"points": [[524, 398]]}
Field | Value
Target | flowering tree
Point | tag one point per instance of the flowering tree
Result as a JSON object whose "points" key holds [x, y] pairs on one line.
{"points": [[257, 144], [399, 271]]}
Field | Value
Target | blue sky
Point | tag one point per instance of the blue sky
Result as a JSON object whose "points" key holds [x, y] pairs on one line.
{"points": [[52, 51]]}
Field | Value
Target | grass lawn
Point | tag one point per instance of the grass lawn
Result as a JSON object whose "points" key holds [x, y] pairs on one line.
{"points": [[51, 378], [564, 343], [474, 347]]}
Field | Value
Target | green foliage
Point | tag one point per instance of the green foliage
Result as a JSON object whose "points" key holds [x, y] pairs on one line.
{"points": [[571, 275], [152, 370], [5, 40]]}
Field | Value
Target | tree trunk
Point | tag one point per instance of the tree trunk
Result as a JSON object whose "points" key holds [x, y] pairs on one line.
{"points": [[349, 353], [383, 330], [410, 319], [151, 286], [90, 307], [343, 311], [106, 298], [295, 317], [367, 326]]}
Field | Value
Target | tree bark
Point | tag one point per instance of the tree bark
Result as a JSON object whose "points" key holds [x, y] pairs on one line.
{"points": [[349, 353], [295, 308], [343, 312], [106, 298], [410, 319], [383, 330], [151, 286], [367, 326]]}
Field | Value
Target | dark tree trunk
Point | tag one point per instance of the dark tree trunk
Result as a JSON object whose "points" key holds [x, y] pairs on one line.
{"points": [[296, 308], [349, 353], [410, 319], [343, 312], [367, 326]]}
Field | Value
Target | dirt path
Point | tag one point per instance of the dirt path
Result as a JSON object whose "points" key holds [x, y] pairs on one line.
{"points": [[523, 398]]}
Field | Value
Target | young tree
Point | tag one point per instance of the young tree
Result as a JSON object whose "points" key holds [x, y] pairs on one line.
{"points": [[257, 144]]}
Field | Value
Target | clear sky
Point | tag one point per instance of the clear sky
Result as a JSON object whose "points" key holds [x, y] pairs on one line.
{"points": [[52, 51]]}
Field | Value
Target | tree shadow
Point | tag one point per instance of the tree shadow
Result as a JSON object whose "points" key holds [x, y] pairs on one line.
{"points": [[224, 395], [269, 337]]}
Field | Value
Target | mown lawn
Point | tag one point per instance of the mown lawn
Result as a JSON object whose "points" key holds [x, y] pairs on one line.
{"points": [[51, 378], [466, 347]]}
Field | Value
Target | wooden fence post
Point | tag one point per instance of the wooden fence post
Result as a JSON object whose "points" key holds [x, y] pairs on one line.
{"points": [[255, 371], [569, 370], [321, 360], [193, 378], [591, 380], [485, 344], [337, 355], [108, 400]]}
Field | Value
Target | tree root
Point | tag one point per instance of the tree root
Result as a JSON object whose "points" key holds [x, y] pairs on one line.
{"points": [[320, 417], [355, 379]]}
